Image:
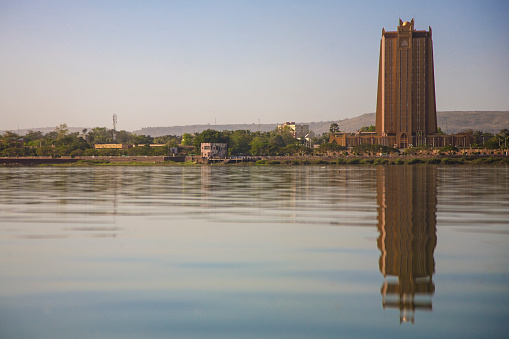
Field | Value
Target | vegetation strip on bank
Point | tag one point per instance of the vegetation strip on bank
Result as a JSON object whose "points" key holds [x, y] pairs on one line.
{"points": [[284, 161]]}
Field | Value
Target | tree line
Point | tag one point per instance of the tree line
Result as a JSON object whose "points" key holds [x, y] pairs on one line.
{"points": [[61, 142]]}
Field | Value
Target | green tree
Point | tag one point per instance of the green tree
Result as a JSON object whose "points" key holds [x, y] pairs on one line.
{"points": [[63, 150], [143, 139], [187, 139], [15, 152], [260, 145], [328, 148], [76, 153], [123, 137], [370, 128], [295, 149], [141, 150], [161, 150], [322, 139], [240, 142], [66, 139], [174, 142], [10, 139], [164, 139], [481, 137], [90, 152], [99, 135], [276, 140], [33, 136], [46, 151], [287, 134], [61, 131]]}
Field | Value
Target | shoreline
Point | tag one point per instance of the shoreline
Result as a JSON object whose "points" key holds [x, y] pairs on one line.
{"points": [[260, 161]]}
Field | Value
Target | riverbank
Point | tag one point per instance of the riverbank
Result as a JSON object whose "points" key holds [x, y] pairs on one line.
{"points": [[261, 160], [90, 160], [399, 160]]}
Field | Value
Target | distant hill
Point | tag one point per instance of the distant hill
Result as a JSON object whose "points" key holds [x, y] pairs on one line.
{"points": [[457, 121], [448, 121], [44, 130]]}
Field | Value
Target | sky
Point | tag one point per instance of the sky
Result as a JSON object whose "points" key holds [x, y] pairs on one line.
{"points": [[169, 63]]}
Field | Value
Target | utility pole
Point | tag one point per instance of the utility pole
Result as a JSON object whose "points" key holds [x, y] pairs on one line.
{"points": [[114, 127]]}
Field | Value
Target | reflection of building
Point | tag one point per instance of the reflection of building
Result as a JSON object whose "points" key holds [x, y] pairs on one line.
{"points": [[406, 111], [407, 225], [299, 131], [213, 150]]}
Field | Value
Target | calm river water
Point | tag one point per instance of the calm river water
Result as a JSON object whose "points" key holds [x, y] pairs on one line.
{"points": [[254, 252]]}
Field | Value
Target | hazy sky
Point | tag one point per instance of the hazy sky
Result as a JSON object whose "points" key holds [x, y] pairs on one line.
{"points": [[164, 63]]}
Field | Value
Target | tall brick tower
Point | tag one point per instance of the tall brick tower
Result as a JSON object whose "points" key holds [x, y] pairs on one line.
{"points": [[406, 110]]}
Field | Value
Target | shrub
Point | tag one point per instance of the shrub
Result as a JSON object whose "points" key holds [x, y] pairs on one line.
{"points": [[450, 161], [15, 152], [449, 149], [92, 162], [90, 152], [76, 153], [415, 161], [367, 161], [45, 151], [319, 161], [433, 161]]}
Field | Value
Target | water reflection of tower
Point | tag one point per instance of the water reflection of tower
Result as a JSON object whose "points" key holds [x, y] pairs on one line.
{"points": [[407, 202]]}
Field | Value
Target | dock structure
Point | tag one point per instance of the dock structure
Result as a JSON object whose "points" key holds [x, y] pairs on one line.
{"points": [[216, 160]]}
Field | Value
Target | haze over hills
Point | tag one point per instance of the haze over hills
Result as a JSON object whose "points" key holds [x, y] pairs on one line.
{"points": [[448, 121]]}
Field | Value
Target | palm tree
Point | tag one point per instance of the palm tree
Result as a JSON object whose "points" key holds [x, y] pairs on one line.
{"points": [[334, 127]]}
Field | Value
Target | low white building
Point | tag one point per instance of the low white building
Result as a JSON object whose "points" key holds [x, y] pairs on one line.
{"points": [[214, 150]]}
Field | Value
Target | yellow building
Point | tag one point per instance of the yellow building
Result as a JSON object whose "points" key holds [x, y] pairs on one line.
{"points": [[112, 146]]}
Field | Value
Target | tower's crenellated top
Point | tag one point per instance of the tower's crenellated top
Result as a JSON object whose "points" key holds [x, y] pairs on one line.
{"points": [[406, 26]]}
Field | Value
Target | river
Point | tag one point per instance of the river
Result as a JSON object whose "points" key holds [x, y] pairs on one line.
{"points": [[254, 252]]}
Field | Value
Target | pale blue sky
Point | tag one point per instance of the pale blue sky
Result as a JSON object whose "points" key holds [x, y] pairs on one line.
{"points": [[163, 63]]}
